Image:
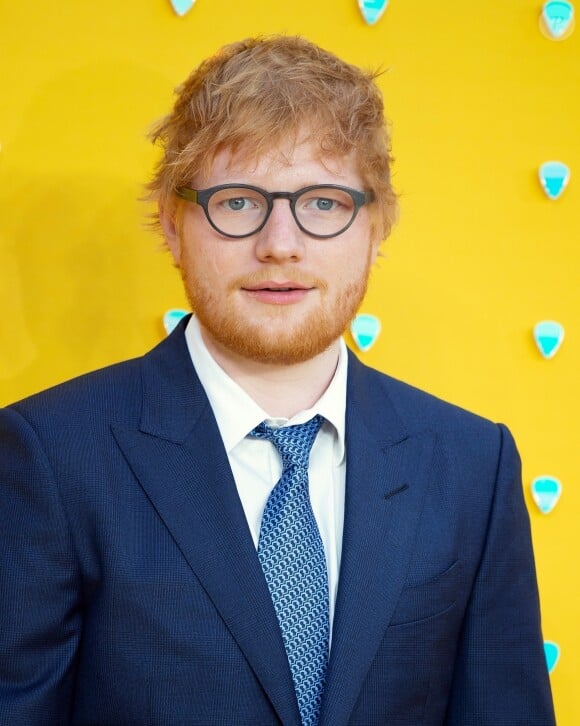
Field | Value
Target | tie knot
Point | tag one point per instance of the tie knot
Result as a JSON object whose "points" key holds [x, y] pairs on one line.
{"points": [[293, 442]]}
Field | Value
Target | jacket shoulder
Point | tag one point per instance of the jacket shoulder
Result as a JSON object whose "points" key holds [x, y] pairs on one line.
{"points": [[104, 390], [420, 410]]}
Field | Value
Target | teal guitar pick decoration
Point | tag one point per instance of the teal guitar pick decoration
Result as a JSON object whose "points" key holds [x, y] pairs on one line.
{"points": [[365, 330], [554, 178], [172, 318], [552, 652], [557, 19], [546, 491], [372, 10], [548, 335], [182, 7]]}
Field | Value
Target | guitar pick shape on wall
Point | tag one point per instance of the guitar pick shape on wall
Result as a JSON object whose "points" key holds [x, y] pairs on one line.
{"points": [[182, 7], [552, 653], [548, 335], [172, 318], [554, 178], [365, 330], [557, 19], [546, 491], [372, 10]]}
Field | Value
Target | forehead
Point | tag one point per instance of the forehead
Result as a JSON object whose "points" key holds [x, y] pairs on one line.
{"points": [[301, 163]]}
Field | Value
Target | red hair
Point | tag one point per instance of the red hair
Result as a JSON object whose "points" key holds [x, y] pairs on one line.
{"points": [[257, 93]]}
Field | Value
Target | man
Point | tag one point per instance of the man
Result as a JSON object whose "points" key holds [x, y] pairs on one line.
{"points": [[247, 525]]}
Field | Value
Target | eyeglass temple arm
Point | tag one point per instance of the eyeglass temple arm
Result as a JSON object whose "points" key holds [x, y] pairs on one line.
{"points": [[187, 193]]}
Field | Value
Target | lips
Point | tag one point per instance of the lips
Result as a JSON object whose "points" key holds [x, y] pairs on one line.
{"points": [[277, 286], [272, 292]]}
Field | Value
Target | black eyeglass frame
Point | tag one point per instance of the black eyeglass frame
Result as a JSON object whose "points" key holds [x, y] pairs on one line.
{"points": [[202, 197]]}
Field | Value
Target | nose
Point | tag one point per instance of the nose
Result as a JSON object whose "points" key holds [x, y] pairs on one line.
{"points": [[280, 239]]}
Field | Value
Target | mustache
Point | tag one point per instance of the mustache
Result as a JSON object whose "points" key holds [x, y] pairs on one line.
{"points": [[283, 274]]}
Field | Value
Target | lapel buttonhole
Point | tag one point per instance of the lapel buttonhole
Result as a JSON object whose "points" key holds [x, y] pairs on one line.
{"points": [[398, 490]]}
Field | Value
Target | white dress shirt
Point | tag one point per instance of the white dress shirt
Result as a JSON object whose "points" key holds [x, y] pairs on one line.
{"points": [[256, 464]]}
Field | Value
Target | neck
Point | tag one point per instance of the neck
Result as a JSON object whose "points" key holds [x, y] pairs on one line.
{"points": [[281, 390]]}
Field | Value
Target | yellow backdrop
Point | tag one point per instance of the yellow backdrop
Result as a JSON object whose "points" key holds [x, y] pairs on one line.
{"points": [[479, 98]]}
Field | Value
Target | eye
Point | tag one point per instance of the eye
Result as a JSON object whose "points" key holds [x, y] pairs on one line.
{"points": [[236, 200], [237, 204], [325, 201], [321, 204], [325, 205]]}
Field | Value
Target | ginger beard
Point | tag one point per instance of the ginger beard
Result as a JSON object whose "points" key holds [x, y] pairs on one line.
{"points": [[278, 335]]}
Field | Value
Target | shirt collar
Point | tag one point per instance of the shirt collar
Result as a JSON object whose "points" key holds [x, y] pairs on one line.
{"points": [[226, 396]]}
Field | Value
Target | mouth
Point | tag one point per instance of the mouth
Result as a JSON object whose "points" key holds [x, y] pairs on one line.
{"points": [[276, 287], [273, 292]]}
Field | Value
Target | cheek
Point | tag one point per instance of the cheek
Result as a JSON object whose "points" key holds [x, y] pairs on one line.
{"points": [[352, 262], [213, 266]]}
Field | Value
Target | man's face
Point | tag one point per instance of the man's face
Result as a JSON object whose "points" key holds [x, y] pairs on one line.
{"points": [[278, 296]]}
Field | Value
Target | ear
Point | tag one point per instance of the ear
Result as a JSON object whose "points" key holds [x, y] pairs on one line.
{"points": [[170, 232], [375, 246]]}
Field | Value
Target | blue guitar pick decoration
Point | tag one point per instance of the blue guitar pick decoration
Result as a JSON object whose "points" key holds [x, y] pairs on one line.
{"points": [[172, 318], [548, 335], [546, 491], [554, 178], [365, 330], [182, 7], [372, 10], [552, 652], [557, 19]]}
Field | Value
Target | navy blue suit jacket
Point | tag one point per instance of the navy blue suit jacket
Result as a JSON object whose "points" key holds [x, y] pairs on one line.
{"points": [[131, 592]]}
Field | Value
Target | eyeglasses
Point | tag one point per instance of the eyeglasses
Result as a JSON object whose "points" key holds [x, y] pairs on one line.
{"points": [[241, 210]]}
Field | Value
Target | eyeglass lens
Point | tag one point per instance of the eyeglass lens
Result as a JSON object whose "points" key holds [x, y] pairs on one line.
{"points": [[240, 211]]}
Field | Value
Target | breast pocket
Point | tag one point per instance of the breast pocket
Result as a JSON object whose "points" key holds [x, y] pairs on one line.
{"points": [[428, 599]]}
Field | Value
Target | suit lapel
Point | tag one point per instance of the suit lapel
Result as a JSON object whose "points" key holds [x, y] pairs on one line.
{"points": [[387, 474], [179, 459]]}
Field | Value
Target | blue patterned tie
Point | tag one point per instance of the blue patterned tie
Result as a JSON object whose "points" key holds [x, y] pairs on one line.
{"points": [[291, 553]]}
